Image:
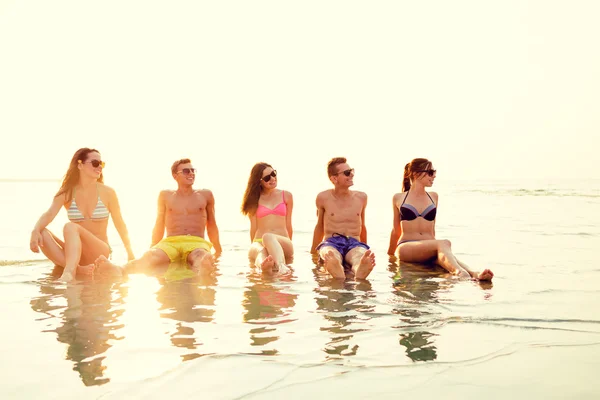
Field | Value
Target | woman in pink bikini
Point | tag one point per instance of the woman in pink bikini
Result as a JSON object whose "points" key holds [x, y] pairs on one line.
{"points": [[89, 203], [413, 233], [270, 212]]}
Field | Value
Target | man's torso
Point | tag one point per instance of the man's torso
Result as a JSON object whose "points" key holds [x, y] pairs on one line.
{"points": [[185, 214]]}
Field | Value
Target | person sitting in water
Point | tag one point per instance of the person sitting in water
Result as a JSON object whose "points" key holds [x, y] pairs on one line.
{"points": [[186, 213], [413, 233], [270, 214], [340, 235], [89, 203]]}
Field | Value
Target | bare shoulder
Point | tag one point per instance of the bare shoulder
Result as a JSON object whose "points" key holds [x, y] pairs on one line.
{"points": [[434, 196], [206, 193], [106, 190], [360, 195], [325, 194], [287, 194], [165, 193]]}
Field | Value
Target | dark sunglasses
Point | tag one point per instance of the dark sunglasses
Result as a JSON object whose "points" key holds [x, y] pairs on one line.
{"points": [[187, 171], [97, 163], [347, 172], [430, 172], [267, 178]]}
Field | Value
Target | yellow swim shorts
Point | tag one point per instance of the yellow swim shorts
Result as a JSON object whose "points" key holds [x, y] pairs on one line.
{"points": [[180, 247], [257, 241]]}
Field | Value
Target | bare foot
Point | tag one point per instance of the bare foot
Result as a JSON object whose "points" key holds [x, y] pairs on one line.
{"points": [[485, 275], [367, 262], [267, 264], [66, 277], [461, 273], [206, 264], [87, 270], [283, 269], [333, 265], [105, 268]]}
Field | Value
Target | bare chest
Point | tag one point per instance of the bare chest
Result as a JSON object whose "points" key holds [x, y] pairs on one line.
{"points": [[186, 205], [343, 210]]}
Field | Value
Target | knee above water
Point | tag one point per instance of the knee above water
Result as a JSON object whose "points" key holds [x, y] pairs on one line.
{"points": [[445, 243], [70, 227], [268, 236]]}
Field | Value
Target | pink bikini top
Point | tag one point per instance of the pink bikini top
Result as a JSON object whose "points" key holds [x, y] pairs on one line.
{"points": [[280, 209]]}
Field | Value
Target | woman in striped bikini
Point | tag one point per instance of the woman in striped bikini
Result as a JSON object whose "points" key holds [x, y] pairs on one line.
{"points": [[270, 214], [89, 203]]}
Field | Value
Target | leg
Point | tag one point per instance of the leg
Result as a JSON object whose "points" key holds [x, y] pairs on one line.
{"points": [[79, 241], [362, 261], [259, 256], [152, 258], [425, 250], [279, 248], [53, 248], [201, 261], [485, 275], [333, 261]]}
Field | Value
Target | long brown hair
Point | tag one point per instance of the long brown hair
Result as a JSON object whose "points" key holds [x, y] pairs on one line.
{"points": [[413, 168], [252, 194], [72, 176]]}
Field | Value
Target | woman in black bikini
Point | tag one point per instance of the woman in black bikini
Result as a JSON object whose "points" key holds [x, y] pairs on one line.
{"points": [[416, 230]]}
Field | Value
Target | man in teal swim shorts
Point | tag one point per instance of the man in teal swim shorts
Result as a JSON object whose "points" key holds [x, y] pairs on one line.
{"points": [[340, 236]]}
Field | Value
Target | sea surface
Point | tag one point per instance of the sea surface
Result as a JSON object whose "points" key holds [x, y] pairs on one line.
{"points": [[534, 332]]}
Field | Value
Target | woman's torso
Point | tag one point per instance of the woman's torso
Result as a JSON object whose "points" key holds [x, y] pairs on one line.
{"points": [[417, 215], [271, 215], [90, 210]]}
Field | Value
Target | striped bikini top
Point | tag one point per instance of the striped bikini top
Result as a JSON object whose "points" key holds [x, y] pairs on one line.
{"points": [[100, 212]]}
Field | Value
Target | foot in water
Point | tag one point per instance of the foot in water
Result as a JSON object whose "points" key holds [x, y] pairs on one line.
{"points": [[66, 277], [206, 265], [367, 262], [485, 275], [106, 268], [333, 265], [86, 270], [268, 264]]}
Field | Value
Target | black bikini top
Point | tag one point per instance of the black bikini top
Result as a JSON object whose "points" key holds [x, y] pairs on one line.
{"points": [[408, 212]]}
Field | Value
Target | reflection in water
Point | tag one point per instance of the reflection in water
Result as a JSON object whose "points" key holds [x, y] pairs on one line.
{"points": [[418, 288], [342, 303], [266, 305], [188, 300], [87, 323]]}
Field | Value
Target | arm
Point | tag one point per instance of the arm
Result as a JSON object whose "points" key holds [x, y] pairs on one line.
{"points": [[396, 228], [211, 223], [436, 200], [159, 226], [253, 226], [289, 202], [115, 210], [320, 227], [363, 227], [36, 234]]}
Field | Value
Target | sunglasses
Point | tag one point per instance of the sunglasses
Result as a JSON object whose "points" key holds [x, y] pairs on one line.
{"points": [[347, 172], [430, 172], [97, 163], [187, 171], [267, 178]]}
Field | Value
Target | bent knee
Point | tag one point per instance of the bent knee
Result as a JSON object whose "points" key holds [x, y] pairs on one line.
{"points": [[268, 236], [70, 227], [444, 243]]}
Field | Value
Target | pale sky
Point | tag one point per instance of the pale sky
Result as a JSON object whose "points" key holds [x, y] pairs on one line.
{"points": [[483, 89]]}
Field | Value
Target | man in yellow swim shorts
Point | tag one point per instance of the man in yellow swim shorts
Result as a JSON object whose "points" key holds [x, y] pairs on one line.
{"points": [[186, 214]]}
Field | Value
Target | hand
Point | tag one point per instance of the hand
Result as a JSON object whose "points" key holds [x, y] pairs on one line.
{"points": [[36, 241]]}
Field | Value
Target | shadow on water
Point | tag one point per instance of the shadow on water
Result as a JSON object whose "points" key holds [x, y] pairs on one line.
{"points": [[187, 299], [417, 288], [267, 304], [87, 323], [342, 304]]}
